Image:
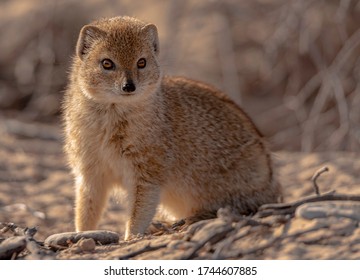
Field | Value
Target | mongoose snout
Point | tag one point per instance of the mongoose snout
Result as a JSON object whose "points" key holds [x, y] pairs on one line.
{"points": [[129, 86]]}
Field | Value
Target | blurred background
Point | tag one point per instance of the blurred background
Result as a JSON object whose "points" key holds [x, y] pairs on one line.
{"points": [[293, 65]]}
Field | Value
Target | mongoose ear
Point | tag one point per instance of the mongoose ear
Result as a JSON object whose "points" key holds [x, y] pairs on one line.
{"points": [[151, 32], [88, 35]]}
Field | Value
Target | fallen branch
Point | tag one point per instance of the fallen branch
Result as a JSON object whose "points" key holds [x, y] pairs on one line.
{"points": [[12, 247], [226, 244], [23, 239], [228, 234], [18, 231], [147, 248], [212, 238], [290, 208]]}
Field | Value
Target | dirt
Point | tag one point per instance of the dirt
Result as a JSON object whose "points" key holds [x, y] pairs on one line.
{"points": [[269, 56], [36, 190]]}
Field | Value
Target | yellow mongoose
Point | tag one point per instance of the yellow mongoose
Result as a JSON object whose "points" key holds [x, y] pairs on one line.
{"points": [[166, 141]]}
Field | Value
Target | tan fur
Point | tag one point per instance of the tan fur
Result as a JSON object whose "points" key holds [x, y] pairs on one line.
{"points": [[172, 142]]}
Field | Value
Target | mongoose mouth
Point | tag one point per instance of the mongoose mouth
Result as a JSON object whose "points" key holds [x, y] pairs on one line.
{"points": [[127, 93]]}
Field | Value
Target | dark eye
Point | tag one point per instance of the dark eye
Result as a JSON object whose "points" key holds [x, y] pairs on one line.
{"points": [[141, 63], [107, 64]]}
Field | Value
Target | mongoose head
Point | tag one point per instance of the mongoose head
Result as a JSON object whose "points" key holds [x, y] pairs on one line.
{"points": [[117, 60]]}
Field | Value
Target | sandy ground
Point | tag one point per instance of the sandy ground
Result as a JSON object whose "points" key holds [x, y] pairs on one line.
{"points": [[36, 190], [233, 45]]}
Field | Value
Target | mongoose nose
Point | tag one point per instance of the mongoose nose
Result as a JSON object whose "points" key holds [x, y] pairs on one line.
{"points": [[129, 86]]}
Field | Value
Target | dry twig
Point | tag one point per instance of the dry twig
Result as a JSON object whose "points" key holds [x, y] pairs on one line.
{"points": [[212, 238], [147, 248], [18, 231], [290, 208], [226, 244], [316, 176]]}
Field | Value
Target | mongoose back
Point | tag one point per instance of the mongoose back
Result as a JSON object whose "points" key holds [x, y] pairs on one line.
{"points": [[169, 143]]}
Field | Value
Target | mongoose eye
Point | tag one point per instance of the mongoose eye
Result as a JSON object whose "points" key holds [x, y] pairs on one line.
{"points": [[141, 63], [107, 64]]}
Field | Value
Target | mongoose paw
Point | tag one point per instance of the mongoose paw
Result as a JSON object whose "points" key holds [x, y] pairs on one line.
{"points": [[132, 237]]}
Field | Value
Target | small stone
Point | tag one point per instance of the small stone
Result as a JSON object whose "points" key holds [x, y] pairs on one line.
{"points": [[102, 237], [87, 244], [324, 209]]}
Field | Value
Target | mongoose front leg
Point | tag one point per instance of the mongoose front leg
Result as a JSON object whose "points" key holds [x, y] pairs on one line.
{"points": [[142, 209], [90, 202]]}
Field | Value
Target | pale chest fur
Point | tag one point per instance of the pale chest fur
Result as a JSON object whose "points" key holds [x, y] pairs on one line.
{"points": [[111, 144]]}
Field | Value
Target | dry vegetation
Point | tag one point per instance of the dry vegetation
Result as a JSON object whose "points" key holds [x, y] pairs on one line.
{"points": [[293, 65]]}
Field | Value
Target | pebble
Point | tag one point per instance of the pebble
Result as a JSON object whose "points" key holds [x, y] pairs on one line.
{"points": [[102, 237], [87, 244]]}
